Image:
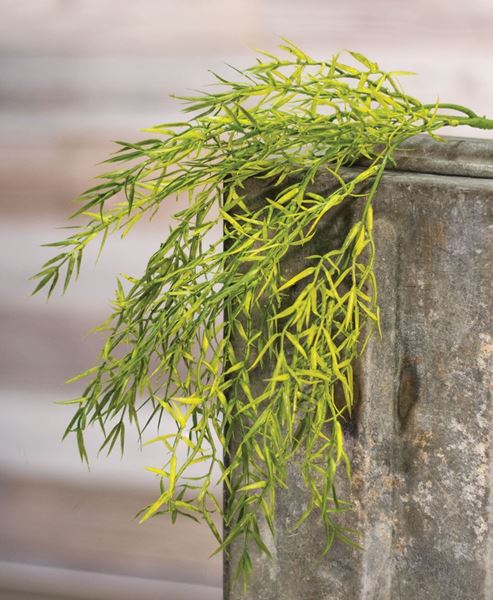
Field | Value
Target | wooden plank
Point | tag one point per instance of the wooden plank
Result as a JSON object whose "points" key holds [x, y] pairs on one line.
{"points": [[106, 26], [29, 450], [55, 524], [32, 582]]}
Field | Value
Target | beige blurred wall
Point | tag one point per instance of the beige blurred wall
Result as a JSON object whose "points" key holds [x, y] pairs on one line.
{"points": [[74, 75]]}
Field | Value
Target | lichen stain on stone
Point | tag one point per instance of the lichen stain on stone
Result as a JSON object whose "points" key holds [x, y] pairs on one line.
{"points": [[419, 444], [422, 439], [485, 354], [424, 497], [401, 546], [393, 481]]}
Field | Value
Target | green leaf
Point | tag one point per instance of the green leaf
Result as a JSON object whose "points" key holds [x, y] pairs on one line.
{"points": [[235, 374], [258, 485], [305, 273]]}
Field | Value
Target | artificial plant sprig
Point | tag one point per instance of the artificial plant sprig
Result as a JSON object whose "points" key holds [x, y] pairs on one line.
{"points": [[168, 345]]}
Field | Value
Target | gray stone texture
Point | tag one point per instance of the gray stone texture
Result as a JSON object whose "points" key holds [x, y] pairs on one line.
{"points": [[420, 439]]}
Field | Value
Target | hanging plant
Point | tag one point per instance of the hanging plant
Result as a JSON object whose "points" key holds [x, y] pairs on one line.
{"points": [[169, 346]]}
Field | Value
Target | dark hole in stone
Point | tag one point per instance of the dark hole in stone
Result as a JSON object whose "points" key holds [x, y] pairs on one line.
{"points": [[408, 393]]}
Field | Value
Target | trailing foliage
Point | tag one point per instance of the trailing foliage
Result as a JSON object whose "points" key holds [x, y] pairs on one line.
{"points": [[169, 347]]}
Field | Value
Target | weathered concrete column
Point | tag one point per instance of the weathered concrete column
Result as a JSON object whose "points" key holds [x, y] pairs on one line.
{"points": [[421, 438]]}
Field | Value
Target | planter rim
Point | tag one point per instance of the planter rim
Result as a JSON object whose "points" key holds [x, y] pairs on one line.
{"points": [[459, 156]]}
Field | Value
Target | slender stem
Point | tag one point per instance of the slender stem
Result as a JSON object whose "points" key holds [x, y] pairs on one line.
{"points": [[474, 122], [458, 107]]}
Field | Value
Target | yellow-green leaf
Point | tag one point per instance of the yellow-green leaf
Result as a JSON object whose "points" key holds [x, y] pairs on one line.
{"points": [[298, 277], [253, 486]]}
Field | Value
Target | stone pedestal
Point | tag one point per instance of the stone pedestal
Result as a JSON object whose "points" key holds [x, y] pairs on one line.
{"points": [[420, 441]]}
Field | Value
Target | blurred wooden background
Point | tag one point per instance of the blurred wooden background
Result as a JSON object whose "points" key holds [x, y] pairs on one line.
{"points": [[74, 75]]}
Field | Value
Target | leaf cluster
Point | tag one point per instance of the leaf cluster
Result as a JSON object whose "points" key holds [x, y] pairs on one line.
{"points": [[266, 382]]}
